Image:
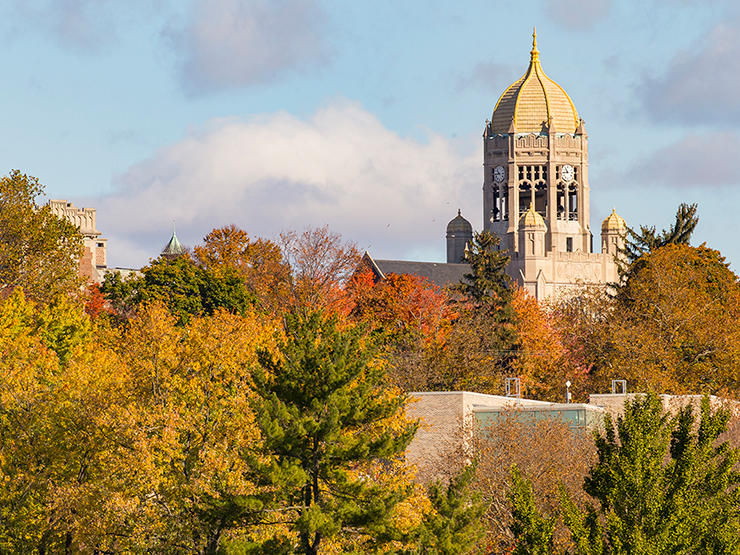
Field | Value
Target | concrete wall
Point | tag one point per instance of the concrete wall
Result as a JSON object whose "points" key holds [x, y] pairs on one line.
{"points": [[446, 424]]}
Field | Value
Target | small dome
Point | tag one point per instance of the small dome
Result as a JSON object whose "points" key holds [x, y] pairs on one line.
{"points": [[531, 219], [459, 225], [614, 222], [534, 103]]}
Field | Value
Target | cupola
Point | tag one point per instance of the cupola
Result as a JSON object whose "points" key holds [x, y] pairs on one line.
{"points": [[534, 104], [614, 222], [531, 219], [459, 235]]}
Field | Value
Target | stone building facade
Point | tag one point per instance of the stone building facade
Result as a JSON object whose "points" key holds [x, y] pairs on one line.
{"points": [[449, 419], [536, 189], [93, 264]]}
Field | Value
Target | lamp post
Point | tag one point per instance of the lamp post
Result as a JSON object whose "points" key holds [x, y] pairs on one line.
{"points": [[567, 391]]}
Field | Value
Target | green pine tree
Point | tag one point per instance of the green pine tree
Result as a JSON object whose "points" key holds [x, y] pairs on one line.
{"points": [[487, 283], [323, 405], [533, 531], [663, 485], [648, 240], [490, 314], [454, 525]]}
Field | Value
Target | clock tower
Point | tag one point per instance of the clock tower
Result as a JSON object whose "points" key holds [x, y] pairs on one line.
{"points": [[535, 187]]}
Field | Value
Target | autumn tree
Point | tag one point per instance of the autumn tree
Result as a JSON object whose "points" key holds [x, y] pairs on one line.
{"points": [[325, 412], [58, 471], [321, 264], [674, 326], [581, 320], [38, 250], [258, 261], [410, 317], [547, 454], [542, 359], [191, 428]]}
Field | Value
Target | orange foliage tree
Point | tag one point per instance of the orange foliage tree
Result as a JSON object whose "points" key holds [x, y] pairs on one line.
{"points": [[414, 318], [260, 263], [321, 264], [541, 360]]}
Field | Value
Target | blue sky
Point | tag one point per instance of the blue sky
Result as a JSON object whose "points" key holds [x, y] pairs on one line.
{"points": [[364, 116]]}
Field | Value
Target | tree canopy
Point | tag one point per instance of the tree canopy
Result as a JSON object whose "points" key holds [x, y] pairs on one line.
{"points": [[38, 251], [326, 417], [186, 288], [662, 483], [648, 240]]}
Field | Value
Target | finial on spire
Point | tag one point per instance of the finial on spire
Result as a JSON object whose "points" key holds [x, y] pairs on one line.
{"points": [[458, 212], [535, 54]]}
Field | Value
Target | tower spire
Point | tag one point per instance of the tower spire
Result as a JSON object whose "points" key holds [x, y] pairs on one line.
{"points": [[534, 53]]}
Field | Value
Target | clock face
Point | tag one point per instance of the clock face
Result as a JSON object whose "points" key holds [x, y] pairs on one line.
{"points": [[498, 174], [567, 173]]}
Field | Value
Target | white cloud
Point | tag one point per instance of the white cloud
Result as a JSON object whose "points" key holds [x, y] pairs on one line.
{"points": [[702, 85], [704, 160], [340, 167], [577, 14], [230, 43]]}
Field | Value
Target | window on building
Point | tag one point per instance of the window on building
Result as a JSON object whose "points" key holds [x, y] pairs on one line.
{"points": [[569, 244]]}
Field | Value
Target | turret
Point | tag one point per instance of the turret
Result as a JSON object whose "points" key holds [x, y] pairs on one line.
{"points": [[612, 233], [532, 231], [173, 249], [459, 235]]}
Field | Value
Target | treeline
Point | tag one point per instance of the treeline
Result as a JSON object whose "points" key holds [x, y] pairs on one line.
{"points": [[248, 396]]}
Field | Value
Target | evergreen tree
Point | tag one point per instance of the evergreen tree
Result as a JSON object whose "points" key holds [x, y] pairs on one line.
{"points": [[326, 417], [454, 525], [489, 315], [648, 240], [487, 283], [662, 485], [532, 530]]}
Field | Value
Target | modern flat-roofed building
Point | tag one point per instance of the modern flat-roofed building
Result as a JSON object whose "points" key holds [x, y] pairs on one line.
{"points": [[448, 420]]}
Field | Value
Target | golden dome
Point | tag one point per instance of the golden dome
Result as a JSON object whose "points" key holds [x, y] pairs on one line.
{"points": [[534, 102], [614, 222], [459, 225], [531, 219]]}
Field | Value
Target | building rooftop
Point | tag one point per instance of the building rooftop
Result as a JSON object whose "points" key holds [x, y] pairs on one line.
{"points": [[438, 273]]}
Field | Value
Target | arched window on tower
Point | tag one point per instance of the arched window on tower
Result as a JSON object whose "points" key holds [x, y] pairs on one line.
{"points": [[505, 203], [496, 211], [540, 198], [561, 202], [500, 211], [573, 202], [525, 196]]}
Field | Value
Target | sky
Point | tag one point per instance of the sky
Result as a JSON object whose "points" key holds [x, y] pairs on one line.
{"points": [[277, 115]]}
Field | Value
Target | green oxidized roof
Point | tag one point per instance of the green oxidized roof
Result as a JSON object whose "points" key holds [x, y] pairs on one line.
{"points": [[173, 248]]}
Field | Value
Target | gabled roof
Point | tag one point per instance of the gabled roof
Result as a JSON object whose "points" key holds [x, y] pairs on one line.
{"points": [[438, 273]]}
